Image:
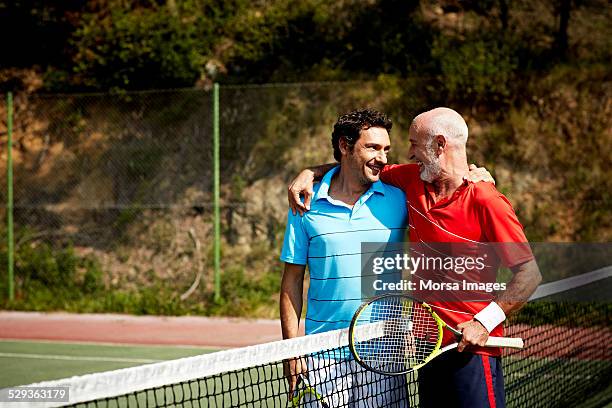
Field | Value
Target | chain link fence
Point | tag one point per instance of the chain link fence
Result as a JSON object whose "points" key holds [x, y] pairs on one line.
{"points": [[113, 194]]}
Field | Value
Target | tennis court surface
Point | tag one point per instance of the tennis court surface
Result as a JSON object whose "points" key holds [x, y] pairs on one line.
{"points": [[566, 361], [24, 362]]}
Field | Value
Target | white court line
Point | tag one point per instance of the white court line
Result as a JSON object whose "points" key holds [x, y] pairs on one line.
{"points": [[79, 358]]}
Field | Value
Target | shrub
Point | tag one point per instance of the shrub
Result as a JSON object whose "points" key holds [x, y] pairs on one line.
{"points": [[477, 70]]}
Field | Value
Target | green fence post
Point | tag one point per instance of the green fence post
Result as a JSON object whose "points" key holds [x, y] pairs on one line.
{"points": [[217, 215], [9, 187]]}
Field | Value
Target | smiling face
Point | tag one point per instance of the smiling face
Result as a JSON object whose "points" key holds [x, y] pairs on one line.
{"points": [[423, 152], [369, 155]]}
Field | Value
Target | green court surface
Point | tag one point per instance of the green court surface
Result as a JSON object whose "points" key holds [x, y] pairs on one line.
{"points": [[24, 362]]}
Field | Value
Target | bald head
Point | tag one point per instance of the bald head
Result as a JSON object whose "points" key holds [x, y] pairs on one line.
{"points": [[445, 122]]}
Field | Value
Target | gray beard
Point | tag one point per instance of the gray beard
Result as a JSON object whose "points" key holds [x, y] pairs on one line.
{"points": [[430, 172]]}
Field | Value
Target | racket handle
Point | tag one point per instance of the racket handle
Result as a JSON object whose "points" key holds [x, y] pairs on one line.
{"points": [[511, 342]]}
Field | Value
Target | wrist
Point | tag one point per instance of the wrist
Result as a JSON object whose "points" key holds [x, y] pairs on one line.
{"points": [[491, 316]]}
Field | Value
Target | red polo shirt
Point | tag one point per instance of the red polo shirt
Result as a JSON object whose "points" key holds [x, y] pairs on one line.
{"points": [[472, 218]]}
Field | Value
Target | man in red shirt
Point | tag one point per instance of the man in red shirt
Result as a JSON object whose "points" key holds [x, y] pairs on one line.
{"points": [[445, 208]]}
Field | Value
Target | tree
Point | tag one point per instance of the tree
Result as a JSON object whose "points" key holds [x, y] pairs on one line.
{"points": [[124, 45], [563, 9], [34, 32]]}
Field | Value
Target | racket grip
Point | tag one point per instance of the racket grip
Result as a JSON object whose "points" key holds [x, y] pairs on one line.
{"points": [[511, 342]]}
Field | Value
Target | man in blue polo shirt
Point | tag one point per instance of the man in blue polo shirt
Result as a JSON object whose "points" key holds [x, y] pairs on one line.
{"points": [[350, 206]]}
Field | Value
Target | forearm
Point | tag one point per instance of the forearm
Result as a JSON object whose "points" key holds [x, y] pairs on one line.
{"points": [[290, 311], [290, 305], [525, 281]]}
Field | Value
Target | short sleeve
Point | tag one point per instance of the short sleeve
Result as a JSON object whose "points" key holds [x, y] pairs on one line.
{"points": [[399, 175], [295, 244], [502, 227]]}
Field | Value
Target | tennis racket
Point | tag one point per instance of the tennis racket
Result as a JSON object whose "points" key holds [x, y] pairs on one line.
{"points": [[395, 334], [305, 393]]}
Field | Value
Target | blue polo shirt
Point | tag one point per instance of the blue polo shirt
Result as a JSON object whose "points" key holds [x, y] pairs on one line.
{"points": [[328, 239]]}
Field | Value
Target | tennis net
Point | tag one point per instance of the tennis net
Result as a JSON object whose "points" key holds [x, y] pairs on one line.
{"points": [[567, 358]]}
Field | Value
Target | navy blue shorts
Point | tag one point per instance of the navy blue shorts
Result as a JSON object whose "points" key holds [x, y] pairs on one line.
{"points": [[462, 380]]}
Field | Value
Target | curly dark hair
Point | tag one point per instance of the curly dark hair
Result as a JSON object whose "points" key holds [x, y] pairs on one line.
{"points": [[350, 125]]}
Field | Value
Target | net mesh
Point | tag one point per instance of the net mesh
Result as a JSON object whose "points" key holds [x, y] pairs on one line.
{"points": [[566, 361]]}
